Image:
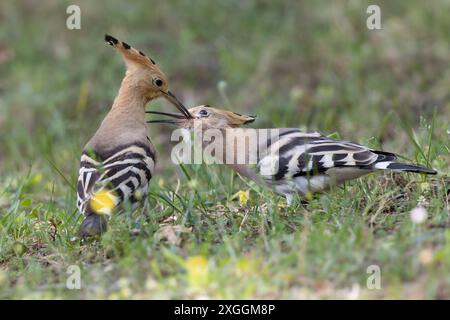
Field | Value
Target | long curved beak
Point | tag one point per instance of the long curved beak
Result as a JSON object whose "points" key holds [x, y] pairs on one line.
{"points": [[177, 118], [169, 114], [174, 100]]}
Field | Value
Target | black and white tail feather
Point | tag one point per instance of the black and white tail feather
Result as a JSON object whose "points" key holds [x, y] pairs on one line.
{"points": [[299, 162]]}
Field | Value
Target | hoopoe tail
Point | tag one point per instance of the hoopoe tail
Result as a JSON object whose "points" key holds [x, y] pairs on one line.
{"points": [[92, 225], [397, 166]]}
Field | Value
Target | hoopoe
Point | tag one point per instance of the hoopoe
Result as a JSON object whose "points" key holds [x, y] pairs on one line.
{"points": [[290, 161], [118, 161]]}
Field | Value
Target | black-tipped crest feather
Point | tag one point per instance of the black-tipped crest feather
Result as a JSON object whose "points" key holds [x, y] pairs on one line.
{"points": [[111, 40], [117, 44]]}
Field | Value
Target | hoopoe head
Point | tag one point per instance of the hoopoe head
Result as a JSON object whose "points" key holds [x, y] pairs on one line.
{"points": [[143, 75], [206, 116]]}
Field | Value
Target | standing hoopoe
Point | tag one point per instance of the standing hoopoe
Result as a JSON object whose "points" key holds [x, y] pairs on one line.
{"points": [[118, 161], [290, 161]]}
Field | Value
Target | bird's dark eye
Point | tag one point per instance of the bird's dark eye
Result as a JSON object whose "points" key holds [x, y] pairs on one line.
{"points": [[203, 113], [158, 82]]}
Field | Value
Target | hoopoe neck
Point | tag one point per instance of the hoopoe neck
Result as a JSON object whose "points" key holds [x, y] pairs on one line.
{"points": [[130, 102], [233, 144], [235, 151]]}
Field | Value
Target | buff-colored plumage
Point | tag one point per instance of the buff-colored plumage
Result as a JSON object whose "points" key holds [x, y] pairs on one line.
{"points": [[288, 160], [118, 161]]}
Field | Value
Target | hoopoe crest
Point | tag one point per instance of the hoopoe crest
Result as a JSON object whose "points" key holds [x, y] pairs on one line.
{"points": [[143, 77]]}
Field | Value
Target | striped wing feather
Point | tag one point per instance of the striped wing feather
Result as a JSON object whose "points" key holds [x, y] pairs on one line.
{"points": [[123, 170], [308, 154]]}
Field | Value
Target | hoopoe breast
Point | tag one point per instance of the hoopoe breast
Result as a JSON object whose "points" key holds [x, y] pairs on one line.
{"points": [[110, 177]]}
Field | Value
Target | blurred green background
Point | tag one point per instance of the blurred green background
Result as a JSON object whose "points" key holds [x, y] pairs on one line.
{"points": [[292, 63], [307, 64]]}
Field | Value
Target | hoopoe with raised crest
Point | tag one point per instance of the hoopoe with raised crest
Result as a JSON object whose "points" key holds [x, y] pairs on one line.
{"points": [[289, 161], [118, 161]]}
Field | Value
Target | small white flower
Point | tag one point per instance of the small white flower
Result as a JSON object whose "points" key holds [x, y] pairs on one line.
{"points": [[419, 214], [296, 93], [222, 85]]}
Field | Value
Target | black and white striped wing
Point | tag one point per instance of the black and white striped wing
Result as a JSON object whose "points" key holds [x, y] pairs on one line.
{"points": [[123, 172], [297, 154], [298, 162]]}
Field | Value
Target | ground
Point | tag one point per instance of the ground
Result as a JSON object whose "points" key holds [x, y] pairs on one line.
{"points": [[312, 65]]}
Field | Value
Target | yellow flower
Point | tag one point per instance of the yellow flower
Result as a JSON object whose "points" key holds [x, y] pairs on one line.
{"points": [[243, 197], [161, 183], [245, 266], [104, 201], [138, 195], [197, 271], [36, 179], [424, 186], [309, 196]]}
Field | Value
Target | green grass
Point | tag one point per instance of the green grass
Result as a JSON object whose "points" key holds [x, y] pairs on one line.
{"points": [[312, 65]]}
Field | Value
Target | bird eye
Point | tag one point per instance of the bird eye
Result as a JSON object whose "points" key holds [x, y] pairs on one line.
{"points": [[158, 82], [203, 113]]}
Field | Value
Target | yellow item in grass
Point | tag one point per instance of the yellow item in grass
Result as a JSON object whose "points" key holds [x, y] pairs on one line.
{"points": [[103, 202], [424, 186], [197, 271], [243, 197]]}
